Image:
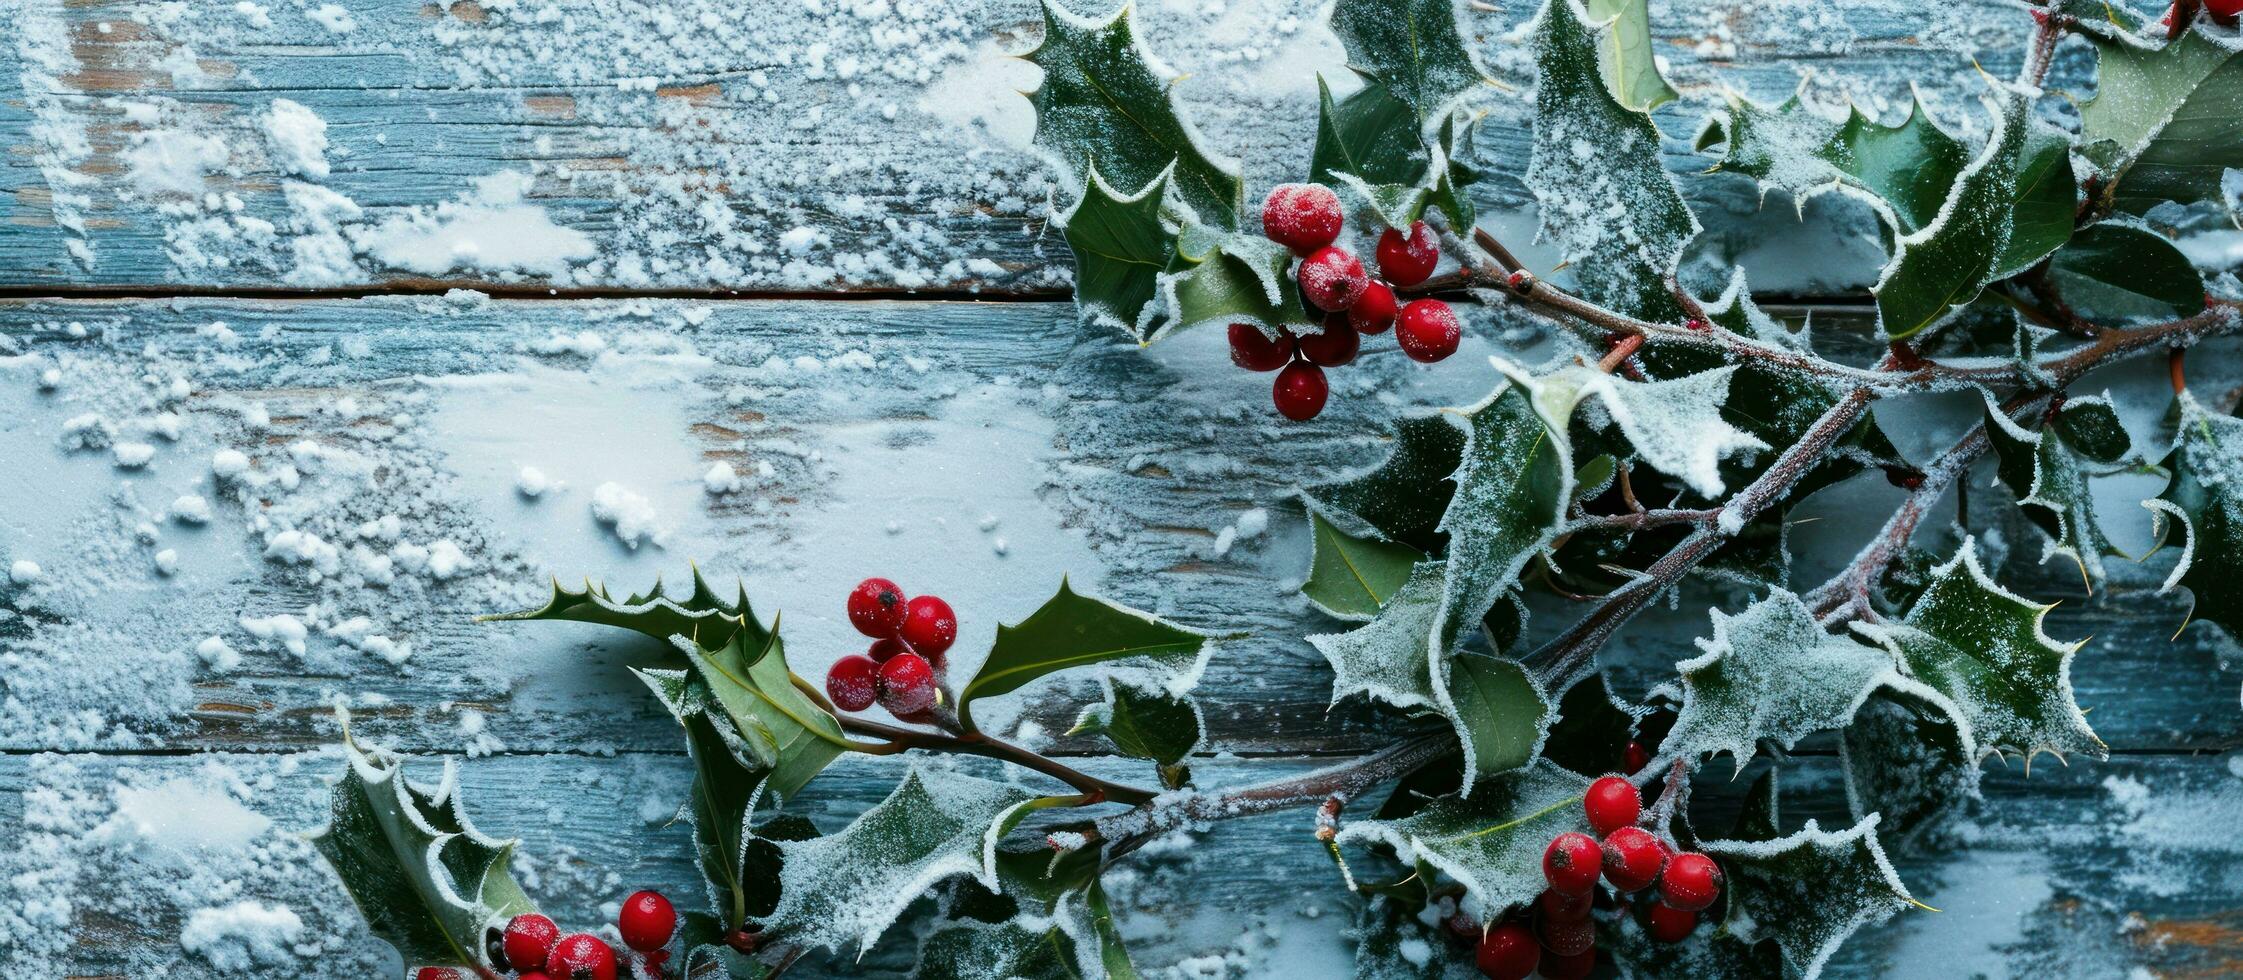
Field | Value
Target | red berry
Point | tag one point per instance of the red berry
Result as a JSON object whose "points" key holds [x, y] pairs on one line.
{"points": [[530, 936], [1571, 863], [647, 921], [581, 956], [1637, 757], [1558, 906], [1508, 952], [1335, 346], [1255, 351], [876, 607], [1302, 217], [1575, 967], [885, 647], [1567, 938], [438, 973], [1406, 260], [1428, 330], [1632, 857], [1300, 391], [1690, 882], [2224, 8], [1670, 925], [1332, 279], [929, 626], [1462, 927], [907, 685], [1612, 803], [1375, 312], [852, 683], [531, 975]]}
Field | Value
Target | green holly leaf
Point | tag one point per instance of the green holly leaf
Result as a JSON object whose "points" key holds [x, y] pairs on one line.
{"points": [[2046, 470], [1231, 278], [1492, 841], [2117, 271], [725, 784], [1937, 270], [1498, 712], [1607, 200], [848, 887], [1146, 724], [780, 727], [1678, 426], [1771, 673], [1760, 815], [1631, 70], [1981, 647], [2044, 201], [1809, 891], [1591, 733], [1402, 499], [1413, 48], [1387, 659], [1908, 166], [1101, 102], [1350, 577], [707, 957], [1121, 243], [2205, 504], [1906, 759], [1071, 630], [2165, 121], [968, 950], [427, 882], [701, 613], [1512, 489]]}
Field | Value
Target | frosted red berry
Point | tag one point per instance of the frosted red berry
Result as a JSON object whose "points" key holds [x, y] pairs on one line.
{"points": [[1335, 346], [1508, 952], [1571, 863], [1668, 924], [1408, 258], [647, 921], [907, 685], [1690, 881], [1575, 967], [1612, 803], [1563, 907], [1632, 858], [1428, 330], [885, 647], [529, 940], [1300, 391], [1375, 310], [1332, 279], [1302, 217], [1566, 937], [1635, 758], [581, 956], [438, 973], [1255, 351], [876, 607], [853, 682], [2224, 8], [929, 626]]}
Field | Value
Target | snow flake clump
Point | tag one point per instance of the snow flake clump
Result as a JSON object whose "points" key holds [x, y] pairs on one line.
{"points": [[629, 515], [243, 935]]}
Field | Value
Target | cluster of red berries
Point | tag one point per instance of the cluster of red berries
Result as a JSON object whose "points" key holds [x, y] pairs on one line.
{"points": [[908, 640], [531, 947], [1561, 941], [1306, 218]]}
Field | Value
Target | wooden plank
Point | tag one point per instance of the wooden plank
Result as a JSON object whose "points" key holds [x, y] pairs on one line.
{"points": [[2091, 870], [895, 142]]}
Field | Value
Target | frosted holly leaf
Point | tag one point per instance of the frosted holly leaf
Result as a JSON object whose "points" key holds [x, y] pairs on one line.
{"points": [[1402, 499], [1387, 658], [1121, 244], [780, 727], [1146, 724], [1981, 647], [848, 887], [1492, 841], [2203, 506], [1676, 425], [1708, 955], [1907, 760], [1591, 732], [427, 882], [1513, 484], [2047, 472], [1938, 269], [655, 613], [1071, 630], [2044, 201], [1350, 577], [1394, 943], [2165, 120], [1771, 673], [1606, 200], [1231, 278], [1413, 48], [1019, 948], [1371, 144], [1105, 99], [2117, 270], [1809, 891], [1631, 69], [1498, 712], [706, 955]]}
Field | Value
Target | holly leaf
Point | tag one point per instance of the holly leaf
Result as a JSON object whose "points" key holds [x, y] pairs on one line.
{"points": [[780, 727], [1071, 630], [2116, 271], [1607, 201], [1387, 658], [1231, 278], [1676, 425], [701, 935], [1121, 245], [1371, 144], [724, 789], [1771, 673], [1981, 647], [1906, 759], [1413, 48], [427, 882], [1498, 712], [849, 887], [2165, 121], [1027, 948], [1938, 269], [1350, 577], [1402, 499], [1631, 70], [1146, 724], [1492, 841], [1809, 891], [2204, 503], [2046, 470], [1760, 815], [1909, 167], [1102, 101], [1591, 733], [2044, 201], [1512, 489], [700, 613]]}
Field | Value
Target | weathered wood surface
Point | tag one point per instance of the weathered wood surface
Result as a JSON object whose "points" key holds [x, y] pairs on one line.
{"points": [[677, 145]]}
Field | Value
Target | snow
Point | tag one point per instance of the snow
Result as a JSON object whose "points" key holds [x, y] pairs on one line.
{"points": [[24, 571], [243, 935], [629, 515], [173, 161], [489, 229], [298, 138]]}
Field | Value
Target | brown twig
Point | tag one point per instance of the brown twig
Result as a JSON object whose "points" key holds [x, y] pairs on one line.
{"points": [[1645, 519], [1133, 829]]}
